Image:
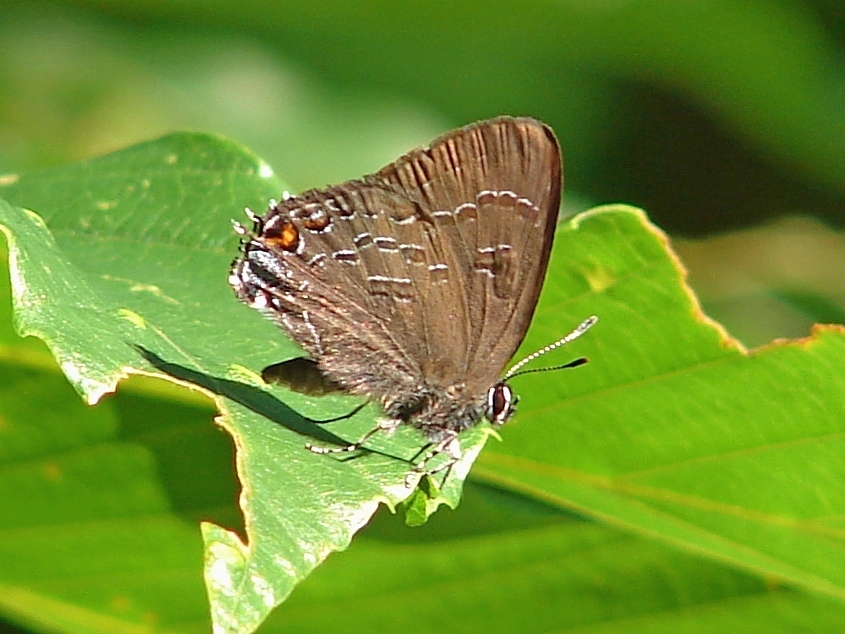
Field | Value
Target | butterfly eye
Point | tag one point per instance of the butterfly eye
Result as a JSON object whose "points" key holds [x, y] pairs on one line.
{"points": [[501, 403]]}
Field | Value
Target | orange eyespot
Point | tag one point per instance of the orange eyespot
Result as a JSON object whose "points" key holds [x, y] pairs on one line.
{"points": [[317, 222], [285, 237]]}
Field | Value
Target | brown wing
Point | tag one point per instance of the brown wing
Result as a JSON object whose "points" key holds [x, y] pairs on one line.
{"points": [[492, 191], [324, 266], [424, 273]]}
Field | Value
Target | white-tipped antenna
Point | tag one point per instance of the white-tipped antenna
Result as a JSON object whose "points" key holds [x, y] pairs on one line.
{"points": [[572, 336]]}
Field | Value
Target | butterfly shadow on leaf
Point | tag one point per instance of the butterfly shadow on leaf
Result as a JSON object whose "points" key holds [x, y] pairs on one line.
{"points": [[250, 397]]}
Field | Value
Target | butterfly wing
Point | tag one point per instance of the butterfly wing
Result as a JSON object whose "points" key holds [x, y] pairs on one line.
{"points": [[492, 193], [426, 273]]}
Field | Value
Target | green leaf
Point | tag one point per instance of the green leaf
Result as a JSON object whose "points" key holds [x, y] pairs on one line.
{"points": [[673, 430], [130, 277], [98, 526], [504, 563]]}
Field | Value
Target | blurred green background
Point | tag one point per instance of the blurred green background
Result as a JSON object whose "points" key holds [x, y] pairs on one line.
{"points": [[713, 116], [710, 114]]}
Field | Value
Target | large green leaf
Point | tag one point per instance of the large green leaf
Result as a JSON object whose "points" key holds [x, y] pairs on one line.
{"points": [[658, 434], [98, 526], [98, 534], [674, 430], [503, 564], [131, 277]]}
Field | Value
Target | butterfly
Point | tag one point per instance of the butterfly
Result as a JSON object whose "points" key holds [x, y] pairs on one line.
{"points": [[414, 286]]}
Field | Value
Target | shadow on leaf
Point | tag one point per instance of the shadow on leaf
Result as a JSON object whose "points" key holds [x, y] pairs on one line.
{"points": [[252, 398]]}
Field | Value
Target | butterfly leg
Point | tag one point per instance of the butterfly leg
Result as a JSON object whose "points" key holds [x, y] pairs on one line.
{"points": [[357, 409], [449, 446], [386, 425], [423, 451]]}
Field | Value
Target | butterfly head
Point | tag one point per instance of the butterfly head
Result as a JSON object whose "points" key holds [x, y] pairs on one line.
{"points": [[501, 403]]}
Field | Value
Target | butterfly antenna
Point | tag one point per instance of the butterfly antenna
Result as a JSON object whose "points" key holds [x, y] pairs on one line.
{"points": [[572, 336], [563, 366]]}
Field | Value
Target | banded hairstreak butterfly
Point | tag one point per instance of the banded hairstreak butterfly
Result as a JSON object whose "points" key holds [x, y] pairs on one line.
{"points": [[414, 286]]}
